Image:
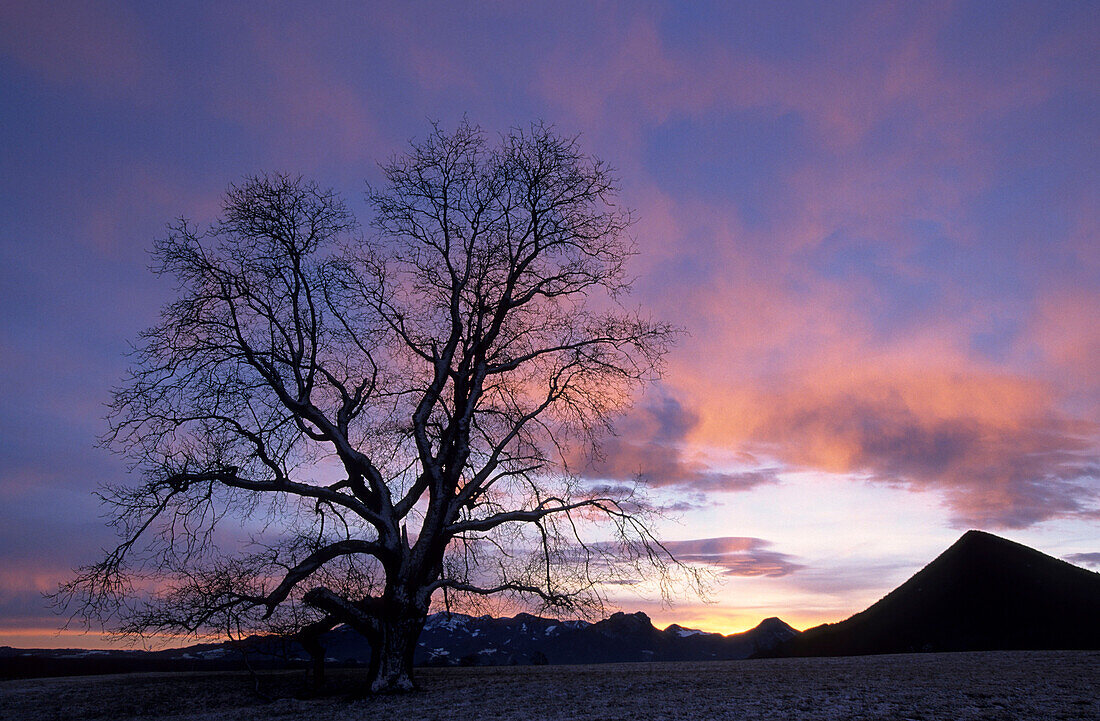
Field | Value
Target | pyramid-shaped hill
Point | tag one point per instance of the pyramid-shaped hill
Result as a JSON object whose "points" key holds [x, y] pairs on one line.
{"points": [[982, 593]]}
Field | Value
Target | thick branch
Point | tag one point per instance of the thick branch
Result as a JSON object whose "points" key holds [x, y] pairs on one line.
{"points": [[606, 505], [314, 561], [228, 477]]}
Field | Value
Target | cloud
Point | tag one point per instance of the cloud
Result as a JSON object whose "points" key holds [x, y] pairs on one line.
{"points": [[853, 579], [894, 62], [910, 302], [1084, 559], [95, 45], [993, 445], [291, 85], [863, 355], [847, 339], [650, 445], [23, 589], [736, 555], [1063, 328]]}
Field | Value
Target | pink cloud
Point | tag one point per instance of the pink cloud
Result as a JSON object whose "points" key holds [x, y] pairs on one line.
{"points": [[787, 361], [888, 60], [1064, 329], [787, 364], [995, 447]]}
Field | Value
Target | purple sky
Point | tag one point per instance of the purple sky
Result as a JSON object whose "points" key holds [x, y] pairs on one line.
{"points": [[878, 223]]}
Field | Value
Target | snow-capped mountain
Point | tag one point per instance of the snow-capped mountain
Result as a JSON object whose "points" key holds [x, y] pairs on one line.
{"points": [[448, 639], [458, 639]]}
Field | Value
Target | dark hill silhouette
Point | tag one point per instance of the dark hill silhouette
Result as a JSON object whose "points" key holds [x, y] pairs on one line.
{"points": [[449, 639], [458, 639], [983, 593]]}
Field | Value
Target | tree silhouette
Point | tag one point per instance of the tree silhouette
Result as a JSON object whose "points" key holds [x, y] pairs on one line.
{"points": [[334, 428]]}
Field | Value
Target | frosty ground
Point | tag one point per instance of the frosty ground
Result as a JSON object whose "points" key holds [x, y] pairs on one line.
{"points": [[926, 687]]}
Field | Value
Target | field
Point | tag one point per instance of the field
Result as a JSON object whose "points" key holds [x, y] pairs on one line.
{"points": [[991, 685]]}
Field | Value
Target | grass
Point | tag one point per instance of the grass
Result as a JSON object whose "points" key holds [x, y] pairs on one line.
{"points": [[927, 687]]}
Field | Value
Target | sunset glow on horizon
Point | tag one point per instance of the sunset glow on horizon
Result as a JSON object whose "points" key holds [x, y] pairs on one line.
{"points": [[877, 224]]}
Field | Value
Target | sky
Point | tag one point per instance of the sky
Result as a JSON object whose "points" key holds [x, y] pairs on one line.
{"points": [[877, 222]]}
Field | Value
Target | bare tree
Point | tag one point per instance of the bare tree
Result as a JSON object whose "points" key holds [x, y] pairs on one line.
{"points": [[335, 429]]}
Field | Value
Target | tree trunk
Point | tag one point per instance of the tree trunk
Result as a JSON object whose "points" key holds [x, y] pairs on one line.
{"points": [[391, 668], [310, 638], [317, 658]]}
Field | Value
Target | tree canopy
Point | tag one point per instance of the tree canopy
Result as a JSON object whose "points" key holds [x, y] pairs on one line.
{"points": [[335, 425]]}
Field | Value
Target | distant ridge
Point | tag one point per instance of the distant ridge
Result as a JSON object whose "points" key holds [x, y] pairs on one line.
{"points": [[983, 593], [448, 639], [457, 639]]}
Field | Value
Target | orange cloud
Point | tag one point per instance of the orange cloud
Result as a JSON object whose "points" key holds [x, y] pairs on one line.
{"points": [[995, 445], [787, 364]]}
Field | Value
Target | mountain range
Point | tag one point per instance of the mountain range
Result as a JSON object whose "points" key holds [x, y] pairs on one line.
{"points": [[982, 593], [448, 639], [458, 639]]}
